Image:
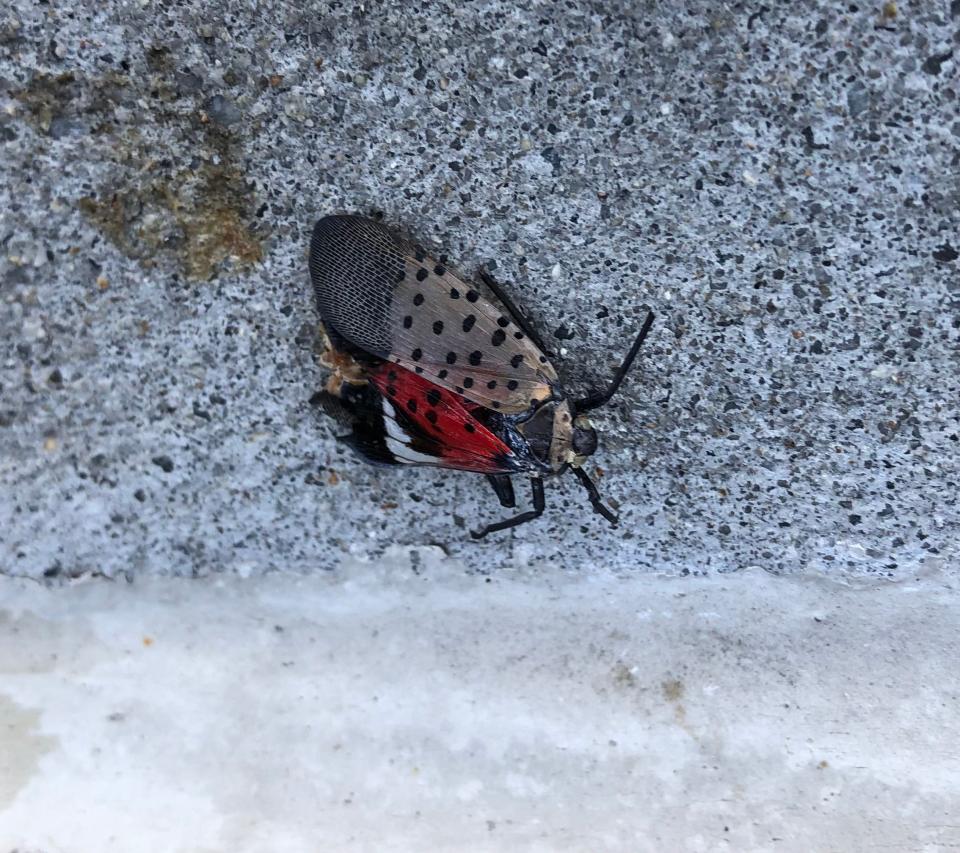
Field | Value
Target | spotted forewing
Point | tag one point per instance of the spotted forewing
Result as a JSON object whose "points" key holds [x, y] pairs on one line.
{"points": [[387, 297]]}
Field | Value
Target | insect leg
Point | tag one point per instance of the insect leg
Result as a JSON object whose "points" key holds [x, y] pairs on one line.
{"points": [[530, 515], [503, 486], [598, 398], [598, 506], [507, 303]]}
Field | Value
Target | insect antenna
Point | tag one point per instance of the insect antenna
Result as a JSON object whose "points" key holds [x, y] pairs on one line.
{"points": [[598, 506], [599, 398]]}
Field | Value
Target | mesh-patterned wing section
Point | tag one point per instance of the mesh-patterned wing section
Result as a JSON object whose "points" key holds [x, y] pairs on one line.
{"points": [[355, 265], [389, 298], [448, 332]]}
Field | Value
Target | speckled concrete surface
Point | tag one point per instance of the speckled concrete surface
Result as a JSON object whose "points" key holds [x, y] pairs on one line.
{"points": [[779, 182]]}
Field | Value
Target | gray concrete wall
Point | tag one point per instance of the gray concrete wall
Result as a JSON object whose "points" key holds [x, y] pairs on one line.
{"points": [[778, 182]]}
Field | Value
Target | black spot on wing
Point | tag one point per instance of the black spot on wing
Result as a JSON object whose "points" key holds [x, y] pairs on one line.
{"points": [[470, 335]]}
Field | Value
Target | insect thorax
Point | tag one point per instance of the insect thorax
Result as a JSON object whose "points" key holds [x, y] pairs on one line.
{"points": [[549, 434]]}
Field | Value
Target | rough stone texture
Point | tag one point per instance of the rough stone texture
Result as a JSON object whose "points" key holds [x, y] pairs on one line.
{"points": [[778, 181]]}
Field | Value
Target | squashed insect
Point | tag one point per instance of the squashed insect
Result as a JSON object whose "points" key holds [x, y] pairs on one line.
{"points": [[429, 371]]}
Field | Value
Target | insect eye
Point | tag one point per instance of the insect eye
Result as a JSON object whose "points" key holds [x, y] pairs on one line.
{"points": [[584, 441]]}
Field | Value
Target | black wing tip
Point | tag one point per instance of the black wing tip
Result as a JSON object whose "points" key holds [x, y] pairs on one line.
{"points": [[336, 221], [338, 227], [369, 446], [332, 222]]}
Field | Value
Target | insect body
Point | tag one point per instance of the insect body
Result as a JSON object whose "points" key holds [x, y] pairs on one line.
{"points": [[429, 371]]}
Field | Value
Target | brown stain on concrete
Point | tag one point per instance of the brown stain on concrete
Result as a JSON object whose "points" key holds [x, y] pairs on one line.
{"points": [[178, 192], [673, 691], [199, 218], [21, 748]]}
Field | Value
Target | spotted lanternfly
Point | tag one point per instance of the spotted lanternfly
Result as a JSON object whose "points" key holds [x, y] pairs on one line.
{"points": [[429, 371]]}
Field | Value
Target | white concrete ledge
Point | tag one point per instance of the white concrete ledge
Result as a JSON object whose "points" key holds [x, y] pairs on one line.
{"points": [[411, 707]]}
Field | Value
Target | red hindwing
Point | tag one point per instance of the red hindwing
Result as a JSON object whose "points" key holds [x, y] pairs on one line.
{"points": [[427, 425]]}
